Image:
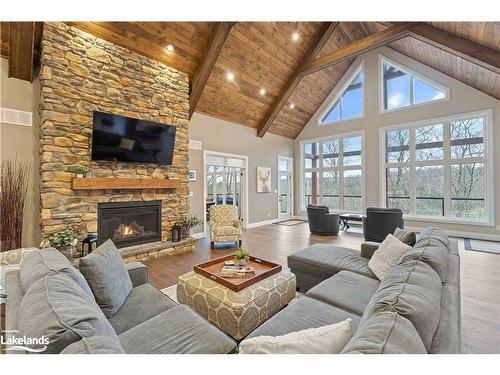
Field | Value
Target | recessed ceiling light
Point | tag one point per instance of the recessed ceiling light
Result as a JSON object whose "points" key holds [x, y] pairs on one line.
{"points": [[292, 106], [170, 48], [262, 91], [230, 76], [295, 36]]}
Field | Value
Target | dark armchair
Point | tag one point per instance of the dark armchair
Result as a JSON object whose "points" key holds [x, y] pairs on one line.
{"points": [[379, 222], [321, 221]]}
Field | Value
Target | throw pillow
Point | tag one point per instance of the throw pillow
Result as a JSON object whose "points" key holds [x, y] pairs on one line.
{"points": [[41, 262], [329, 339], [387, 256], [56, 307], [107, 276], [405, 236]]}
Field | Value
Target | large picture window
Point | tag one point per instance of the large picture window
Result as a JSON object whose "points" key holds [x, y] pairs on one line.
{"points": [[439, 168], [349, 103], [402, 88], [333, 174]]}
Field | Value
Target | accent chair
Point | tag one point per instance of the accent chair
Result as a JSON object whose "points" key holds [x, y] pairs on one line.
{"points": [[321, 221], [379, 222], [224, 224]]}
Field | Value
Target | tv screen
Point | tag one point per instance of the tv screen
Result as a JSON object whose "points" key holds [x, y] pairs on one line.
{"points": [[125, 139]]}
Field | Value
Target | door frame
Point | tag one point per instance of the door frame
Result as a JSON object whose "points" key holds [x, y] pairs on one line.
{"points": [[245, 200], [290, 161]]}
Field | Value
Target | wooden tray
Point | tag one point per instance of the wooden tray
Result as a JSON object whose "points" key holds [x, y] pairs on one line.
{"points": [[262, 268]]}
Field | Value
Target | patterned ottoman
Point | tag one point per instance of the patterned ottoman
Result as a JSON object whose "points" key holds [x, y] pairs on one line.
{"points": [[236, 313]]}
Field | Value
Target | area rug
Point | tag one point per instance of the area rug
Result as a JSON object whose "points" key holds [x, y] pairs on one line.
{"points": [[291, 222], [482, 246]]}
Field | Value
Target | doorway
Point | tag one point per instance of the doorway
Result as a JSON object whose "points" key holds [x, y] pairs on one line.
{"points": [[285, 187], [225, 182]]}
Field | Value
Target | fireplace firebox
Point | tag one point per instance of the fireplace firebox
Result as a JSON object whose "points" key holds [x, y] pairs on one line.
{"points": [[129, 223]]}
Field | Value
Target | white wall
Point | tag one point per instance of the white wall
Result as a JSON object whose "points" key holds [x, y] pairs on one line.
{"points": [[463, 99], [223, 136]]}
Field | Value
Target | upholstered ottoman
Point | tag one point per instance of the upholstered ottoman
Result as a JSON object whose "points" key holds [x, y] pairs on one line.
{"points": [[236, 313]]}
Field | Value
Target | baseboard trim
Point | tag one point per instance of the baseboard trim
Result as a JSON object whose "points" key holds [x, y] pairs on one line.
{"points": [[261, 223], [198, 235], [462, 234]]}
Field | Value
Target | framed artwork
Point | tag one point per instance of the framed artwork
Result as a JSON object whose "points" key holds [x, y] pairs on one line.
{"points": [[192, 175], [263, 180]]}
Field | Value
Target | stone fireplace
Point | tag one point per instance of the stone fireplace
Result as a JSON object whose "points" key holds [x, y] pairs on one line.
{"points": [[129, 223], [81, 74]]}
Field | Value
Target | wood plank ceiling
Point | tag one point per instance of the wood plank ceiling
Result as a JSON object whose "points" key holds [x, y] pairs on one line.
{"points": [[262, 55]]}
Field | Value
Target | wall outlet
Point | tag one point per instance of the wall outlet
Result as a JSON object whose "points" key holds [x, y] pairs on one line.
{"points": [[498, 227], [268, 214]]}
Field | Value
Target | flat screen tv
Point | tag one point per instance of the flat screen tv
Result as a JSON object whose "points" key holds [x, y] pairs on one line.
{"points": [[126, 139]]}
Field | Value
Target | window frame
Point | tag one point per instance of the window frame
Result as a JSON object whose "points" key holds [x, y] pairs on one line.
{"points": [[341, 169], [381, 85], [446, 162], [338, 96]]}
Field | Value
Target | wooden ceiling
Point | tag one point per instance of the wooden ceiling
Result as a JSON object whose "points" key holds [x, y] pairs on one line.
{"points": [[262, 55]]}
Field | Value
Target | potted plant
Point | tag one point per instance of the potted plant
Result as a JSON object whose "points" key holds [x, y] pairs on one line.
{"points": [[80, 172], [64, 241], [242, 256], [186, 223]]}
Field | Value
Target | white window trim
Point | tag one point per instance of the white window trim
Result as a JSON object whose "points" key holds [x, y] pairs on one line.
{"points": [[302, 207], [488, 160], [381, 60], [340, 92]]}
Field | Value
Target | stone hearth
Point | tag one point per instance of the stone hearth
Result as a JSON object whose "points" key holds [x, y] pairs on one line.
{"points": [[81, 74]]}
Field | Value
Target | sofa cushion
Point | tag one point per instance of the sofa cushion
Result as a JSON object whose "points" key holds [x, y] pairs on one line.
{"points": [[385, 333], [405, 236], [303, 314], [107, 276], [429, 234], [327, 260], [55, 306], [434, 256], [40, 262], [95, 345], [413, 290], [348, 290], [387, 256], [329, 339], [177, 330], [143, 303]]}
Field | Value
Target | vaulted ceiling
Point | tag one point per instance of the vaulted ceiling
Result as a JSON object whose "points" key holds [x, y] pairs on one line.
{"points": [[263, 56]]}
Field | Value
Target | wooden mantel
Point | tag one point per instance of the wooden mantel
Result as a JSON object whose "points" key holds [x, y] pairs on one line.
{"points": [[123, 183]]}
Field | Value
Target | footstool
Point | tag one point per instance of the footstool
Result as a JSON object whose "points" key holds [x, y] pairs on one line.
{"points": [[319, 262], [236, 313]]}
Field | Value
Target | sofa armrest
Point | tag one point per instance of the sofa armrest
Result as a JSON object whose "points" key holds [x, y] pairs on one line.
{"points": [[368, 248], [138, 273]]}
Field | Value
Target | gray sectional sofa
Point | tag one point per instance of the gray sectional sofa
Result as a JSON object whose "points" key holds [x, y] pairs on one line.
{"points": [[414, 309], [52, 298]]}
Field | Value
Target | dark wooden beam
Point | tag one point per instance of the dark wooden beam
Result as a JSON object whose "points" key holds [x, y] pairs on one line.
{"points": [[24, 49], [323, 36], [371, 42], [210, 55], [463, 48]]}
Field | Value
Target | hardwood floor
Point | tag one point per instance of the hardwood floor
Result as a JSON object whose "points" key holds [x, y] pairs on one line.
{"points": [[480, 275]]}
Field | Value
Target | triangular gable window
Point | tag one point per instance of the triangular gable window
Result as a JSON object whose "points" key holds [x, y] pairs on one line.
{"points": [[403, 88], [349, 104]]}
